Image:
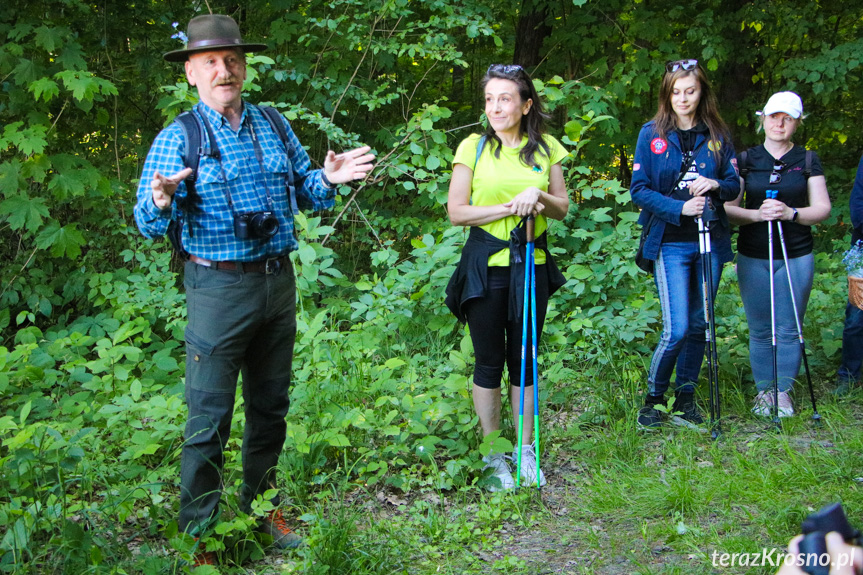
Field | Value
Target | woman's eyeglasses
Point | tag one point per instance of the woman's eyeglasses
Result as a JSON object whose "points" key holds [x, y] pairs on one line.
{"points": [[676, 65], [776, 175], [507, 69]]}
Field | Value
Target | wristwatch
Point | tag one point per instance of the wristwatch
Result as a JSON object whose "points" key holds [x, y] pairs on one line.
{"points": [[794, 215]]}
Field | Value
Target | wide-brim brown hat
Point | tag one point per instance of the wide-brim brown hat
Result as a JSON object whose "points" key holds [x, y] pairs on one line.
{"points": [[212, 32]]}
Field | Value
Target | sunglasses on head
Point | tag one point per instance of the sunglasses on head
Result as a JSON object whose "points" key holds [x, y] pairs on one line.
{"points": [[776, 175], [676, 65], [507, 69]]}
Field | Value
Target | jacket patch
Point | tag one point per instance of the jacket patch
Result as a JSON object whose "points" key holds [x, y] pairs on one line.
{"points": [[714, 145], [636, 167], [658, 146]]}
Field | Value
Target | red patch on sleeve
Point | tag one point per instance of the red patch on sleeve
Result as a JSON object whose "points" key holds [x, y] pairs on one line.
{"points": [[658, 146]]}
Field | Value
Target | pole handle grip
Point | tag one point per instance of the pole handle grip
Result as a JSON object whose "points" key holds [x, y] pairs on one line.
{"points": [[529, 228]]}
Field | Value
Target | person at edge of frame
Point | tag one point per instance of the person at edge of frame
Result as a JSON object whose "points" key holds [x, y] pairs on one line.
{"points": [[240, 286], [684, 168], [852, 334], [801, 202], [512, 171], [843, 558]]}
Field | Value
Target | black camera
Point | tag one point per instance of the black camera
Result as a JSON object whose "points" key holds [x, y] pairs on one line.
{"points": [[815, 527], [255, 225]]}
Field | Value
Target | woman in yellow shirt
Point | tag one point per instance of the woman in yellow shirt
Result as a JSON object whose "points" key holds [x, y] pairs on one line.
{"points": [[510, 172]]}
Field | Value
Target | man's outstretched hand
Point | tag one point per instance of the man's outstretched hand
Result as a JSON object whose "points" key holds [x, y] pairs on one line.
{"points": [[348, 166], [164, 187]]}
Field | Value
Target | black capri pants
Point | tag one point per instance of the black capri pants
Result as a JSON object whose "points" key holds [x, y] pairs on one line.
{"points": [[496, 339]]}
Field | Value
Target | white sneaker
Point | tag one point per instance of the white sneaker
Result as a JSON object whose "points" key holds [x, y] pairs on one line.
{"points": [[528, 466], [786, 408], [763, 403], [500, 472]]}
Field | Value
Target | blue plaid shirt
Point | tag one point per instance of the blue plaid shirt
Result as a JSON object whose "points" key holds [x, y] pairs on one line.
{"points": [[208, 229]]}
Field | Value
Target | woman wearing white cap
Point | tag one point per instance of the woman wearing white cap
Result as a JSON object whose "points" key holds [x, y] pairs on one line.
{"points": [[801, 200]]}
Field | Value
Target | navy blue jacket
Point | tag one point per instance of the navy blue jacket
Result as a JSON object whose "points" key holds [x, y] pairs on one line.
{"points": [[857, 205], [656, 170]]}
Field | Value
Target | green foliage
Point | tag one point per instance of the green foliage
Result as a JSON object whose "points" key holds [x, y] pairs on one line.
{"points": [[92, 319]]}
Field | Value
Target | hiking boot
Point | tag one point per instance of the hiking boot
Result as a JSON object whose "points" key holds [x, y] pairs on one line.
{"points": [[528, 466], [276, 526], [786, 408], [686, 411], [203, 557], [649, 418], [500, 473]]}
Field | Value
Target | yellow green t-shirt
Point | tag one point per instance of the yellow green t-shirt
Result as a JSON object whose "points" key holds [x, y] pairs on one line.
{"points": [[498, 180]]}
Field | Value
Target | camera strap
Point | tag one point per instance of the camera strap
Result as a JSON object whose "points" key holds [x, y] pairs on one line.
{"points": [[216, 155], [259, 155]]}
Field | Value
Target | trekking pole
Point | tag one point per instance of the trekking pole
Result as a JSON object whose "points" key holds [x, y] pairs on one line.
{"points": [[816, 417], [524, 320], [531, 264], [771, 194], [710, 333]]}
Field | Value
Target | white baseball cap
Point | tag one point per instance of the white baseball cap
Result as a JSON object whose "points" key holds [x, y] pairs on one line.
{"points": [[787, 102]]}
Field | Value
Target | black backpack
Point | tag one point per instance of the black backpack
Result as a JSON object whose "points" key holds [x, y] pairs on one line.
{"points": [[193, 128], [743, 165]]}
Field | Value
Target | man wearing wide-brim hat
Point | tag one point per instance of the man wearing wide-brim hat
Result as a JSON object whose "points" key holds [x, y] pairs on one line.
{"points": [[237, 227]]}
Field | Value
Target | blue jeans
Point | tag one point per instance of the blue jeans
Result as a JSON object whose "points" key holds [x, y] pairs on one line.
{"points": [[238, 322], [678, 279], [852, 344], [754, 277]]}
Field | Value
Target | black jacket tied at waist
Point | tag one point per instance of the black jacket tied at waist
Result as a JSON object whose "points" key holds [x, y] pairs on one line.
{"points": [[470, 279]]}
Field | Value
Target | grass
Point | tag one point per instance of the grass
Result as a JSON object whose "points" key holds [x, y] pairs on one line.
{"points": [[381, 473], [618, 500]]}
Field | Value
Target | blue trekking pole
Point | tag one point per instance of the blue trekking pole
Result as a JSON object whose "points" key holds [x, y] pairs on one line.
{"points": [[528, 280], [771, 194], [531, 247]]}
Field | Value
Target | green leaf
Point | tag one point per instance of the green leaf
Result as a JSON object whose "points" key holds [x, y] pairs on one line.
{"points": [[48, 38], [24, 212], [135, 390], [306, 253], [432, 162], [9, 177], [25, 411], [63, 241], [44, 88]]}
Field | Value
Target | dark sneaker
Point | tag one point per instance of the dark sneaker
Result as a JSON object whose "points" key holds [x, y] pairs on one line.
{"points": [[276, 526], [649, 418], [686, 412], [843, 388]]}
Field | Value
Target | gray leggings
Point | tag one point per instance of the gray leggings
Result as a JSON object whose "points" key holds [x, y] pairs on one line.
{"points": [[754, 279]]}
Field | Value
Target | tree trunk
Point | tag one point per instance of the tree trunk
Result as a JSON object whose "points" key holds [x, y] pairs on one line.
{"points": [[530, 32]]}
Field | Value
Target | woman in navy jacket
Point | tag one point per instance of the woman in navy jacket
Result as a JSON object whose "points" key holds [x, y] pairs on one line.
{"points": [[684, 168]]}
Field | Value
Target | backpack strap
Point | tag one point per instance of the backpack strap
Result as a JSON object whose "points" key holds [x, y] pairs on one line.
{"points": [[192, 130], [276, 122], [743, 164], [479, 147], [807, 168]]}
